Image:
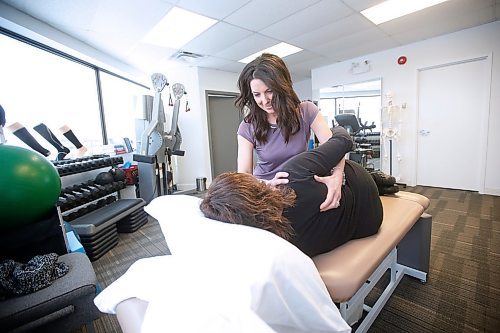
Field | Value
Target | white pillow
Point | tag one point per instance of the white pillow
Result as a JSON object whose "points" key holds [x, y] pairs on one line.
{"points": [[282, 284], [178, 216]]}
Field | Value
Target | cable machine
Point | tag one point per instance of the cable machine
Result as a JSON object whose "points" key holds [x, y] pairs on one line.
{"points": [[158, 144]]}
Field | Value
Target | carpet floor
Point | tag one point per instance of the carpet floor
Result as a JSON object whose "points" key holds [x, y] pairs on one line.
{"points": [[462, 293]]}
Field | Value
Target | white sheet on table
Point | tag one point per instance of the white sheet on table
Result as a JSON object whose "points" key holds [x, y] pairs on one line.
{"points": [[227, 274]]}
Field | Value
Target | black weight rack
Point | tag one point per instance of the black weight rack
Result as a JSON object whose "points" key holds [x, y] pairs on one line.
{"points": [[96, 212]]}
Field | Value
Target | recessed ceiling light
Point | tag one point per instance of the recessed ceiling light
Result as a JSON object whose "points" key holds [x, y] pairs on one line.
{"points": [[281, 50], [177, 28], [391, 9]]}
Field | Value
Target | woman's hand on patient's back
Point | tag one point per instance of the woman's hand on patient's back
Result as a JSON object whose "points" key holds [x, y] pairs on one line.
{"points": [[334, 185], [279, 178]]}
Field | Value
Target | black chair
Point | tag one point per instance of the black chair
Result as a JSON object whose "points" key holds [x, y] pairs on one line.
{"points": [[64, 306]]}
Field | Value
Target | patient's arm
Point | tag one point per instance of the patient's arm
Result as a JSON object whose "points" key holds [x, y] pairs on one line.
{"points": [[321, 160]]}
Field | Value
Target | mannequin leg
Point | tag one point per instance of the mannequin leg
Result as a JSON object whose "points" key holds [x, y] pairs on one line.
{"points": [[22, 133], [68, 133], [47, 134], [2, 117]]}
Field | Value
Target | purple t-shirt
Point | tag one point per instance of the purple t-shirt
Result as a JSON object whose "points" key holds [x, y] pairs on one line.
{"points": [[275, 152]]}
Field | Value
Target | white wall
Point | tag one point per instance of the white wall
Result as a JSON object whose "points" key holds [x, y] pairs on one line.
{"points": [[193, 124], [212, 80], [303, 89], [402, 81]]}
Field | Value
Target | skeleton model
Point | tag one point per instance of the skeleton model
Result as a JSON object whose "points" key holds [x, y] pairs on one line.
{"points": [[391, 131]]}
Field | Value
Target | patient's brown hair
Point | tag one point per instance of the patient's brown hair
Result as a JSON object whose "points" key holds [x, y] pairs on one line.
{"points": [[240, 198]]}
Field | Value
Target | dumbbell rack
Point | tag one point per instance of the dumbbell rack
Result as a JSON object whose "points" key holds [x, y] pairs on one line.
{"points": [[96, 212], [84, 164]]}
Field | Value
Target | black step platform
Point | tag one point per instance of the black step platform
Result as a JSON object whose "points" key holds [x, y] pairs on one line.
{"points": [[98, 229], [132, 222]]}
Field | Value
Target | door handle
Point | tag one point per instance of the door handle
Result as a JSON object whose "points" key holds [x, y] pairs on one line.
{"points": [[424, 132]]}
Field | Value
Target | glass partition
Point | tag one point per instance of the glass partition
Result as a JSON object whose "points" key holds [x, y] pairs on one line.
{"points": [[363, 101]]}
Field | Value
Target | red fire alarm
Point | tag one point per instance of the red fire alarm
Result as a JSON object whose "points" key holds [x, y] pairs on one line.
{"points": [[402, 60]]}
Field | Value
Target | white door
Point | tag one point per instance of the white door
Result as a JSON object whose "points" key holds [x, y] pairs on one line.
{"points": [[452, 104]]}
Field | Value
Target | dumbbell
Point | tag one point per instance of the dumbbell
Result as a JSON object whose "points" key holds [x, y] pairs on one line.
{"points": [[101, 203], [110, 199], [82, 211], [100, 162], [93, 192], [65, 204], [86, 165], [109, 188], [74, 191], [77, 199], [62, 170], [79, 192], [99, 190], [92, 207], [70, 217]]}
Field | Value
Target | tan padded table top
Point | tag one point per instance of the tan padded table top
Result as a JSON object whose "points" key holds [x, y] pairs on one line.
{"points": [[346, 268], [424, 201]]}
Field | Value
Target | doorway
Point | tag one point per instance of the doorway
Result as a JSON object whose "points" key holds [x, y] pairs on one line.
{"points": [[223, 121], [453, 106]]}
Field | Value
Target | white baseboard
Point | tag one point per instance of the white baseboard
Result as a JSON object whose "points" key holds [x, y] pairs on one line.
{"points": [[491, 191]]}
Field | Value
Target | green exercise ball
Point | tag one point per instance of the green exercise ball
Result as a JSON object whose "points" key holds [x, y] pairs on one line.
{"points": [[29, 185]]}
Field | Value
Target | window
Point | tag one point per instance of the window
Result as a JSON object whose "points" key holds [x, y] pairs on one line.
{"points": [[38, 87], [121, 100]]}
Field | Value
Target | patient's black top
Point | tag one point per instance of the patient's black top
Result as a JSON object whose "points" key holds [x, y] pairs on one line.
{"points": [[360, 212]]}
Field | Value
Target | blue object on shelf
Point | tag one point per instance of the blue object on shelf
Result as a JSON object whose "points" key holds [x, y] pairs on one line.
{"points": [[73, 243]]}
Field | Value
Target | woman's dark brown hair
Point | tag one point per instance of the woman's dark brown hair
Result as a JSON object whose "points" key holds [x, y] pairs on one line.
{"points": [[240, 198], [273, 72]]}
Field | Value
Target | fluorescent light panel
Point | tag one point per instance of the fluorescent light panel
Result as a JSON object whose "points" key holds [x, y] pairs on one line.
{"points": [[281, 50], [391, 9], [177, 28]]}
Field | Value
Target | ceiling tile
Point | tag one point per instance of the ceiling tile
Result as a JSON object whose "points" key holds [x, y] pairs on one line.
{"points": [[112, 17], [218, 37], [444, 12], [337, 29], [233, 66], [299, 57], [318, 61], [302, 71], [311, 18], [60, 14], [435, 28], [217, 9], [211, 62], [245, 47], [149, 57], [349, 41], [359, 5], [259, 14], [363, 49]]}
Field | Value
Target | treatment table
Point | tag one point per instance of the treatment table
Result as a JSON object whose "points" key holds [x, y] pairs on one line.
{"points": [[402, 247]]}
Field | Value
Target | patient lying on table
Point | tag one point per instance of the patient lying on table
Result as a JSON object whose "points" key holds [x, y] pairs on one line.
{"points": [[292, 210]]}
